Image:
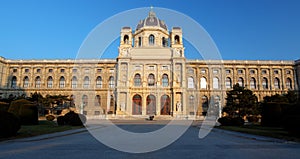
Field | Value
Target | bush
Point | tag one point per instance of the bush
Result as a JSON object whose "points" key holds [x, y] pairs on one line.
{"points": [[4, 106], [25, 110], [229, 121], [252, 119], [71, 118], [271, 114], [291, 120], [225, 121], [9, 124], [50, 117], [61, 120]]}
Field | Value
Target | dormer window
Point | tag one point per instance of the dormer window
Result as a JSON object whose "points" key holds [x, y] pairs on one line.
{"points": [[151, 40], [177, 40], [126, 39]]}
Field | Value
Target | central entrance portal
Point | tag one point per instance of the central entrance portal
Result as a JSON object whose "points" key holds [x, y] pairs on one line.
{"points": [[151, 105]]}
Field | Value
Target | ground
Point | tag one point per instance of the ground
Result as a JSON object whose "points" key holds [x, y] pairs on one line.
{"points": [[218, 144]]}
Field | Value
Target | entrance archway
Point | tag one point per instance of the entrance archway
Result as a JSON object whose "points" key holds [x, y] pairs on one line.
{"points": [[151, 105], [137, 105], [165, 105]]}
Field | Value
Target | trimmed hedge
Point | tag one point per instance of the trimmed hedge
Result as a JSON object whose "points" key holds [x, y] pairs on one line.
{"points": [[71, 118], [271, 114], [25, 110], [9, 124], [4, 106], [50, 117], [228, 121], [291, 119]]}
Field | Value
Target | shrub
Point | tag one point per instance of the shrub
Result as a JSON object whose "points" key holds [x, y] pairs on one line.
{"points": [[291, 120], [229, 121], [252, 119], [50, 117], [75, 119], [9, 124], [61, 120], [4, 106], [71, 118], [29, 114], [271, 114], [25, 110], [237, 121]]}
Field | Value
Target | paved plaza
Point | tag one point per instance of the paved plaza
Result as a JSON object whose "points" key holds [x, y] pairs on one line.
{"points": [[79, 144]]}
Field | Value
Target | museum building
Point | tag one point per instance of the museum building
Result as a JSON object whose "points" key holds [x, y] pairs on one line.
{"points": [[150, 76]]}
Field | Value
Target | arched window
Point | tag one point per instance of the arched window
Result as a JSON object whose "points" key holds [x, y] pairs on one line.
{"points": [[26, 82], [151, 40], [177, 39], [111, 82], [137, 80], [99, 82], [276, 83], [50, 82], [74, 82], [191, 107], [126, 39], [14, 82], [204, 105], [151, 80], [85, 100], [252, 83], [288, 83], [241, 82], [38, 82], [228, 83], [165, 80], [140, 41], [62, 82], [215, 83], [137, 105], [86, 82], [203, 83], [164, 42], [265, 83], [191, 83], [97, 100]]}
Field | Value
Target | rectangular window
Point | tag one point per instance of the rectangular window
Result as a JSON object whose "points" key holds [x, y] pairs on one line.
{"points": [[240, 71], [50, 70], [62, 70], [215, 71], [111, 71], [164, 67], [191, 71], [203, 71], [227, 71], [15, 70], [276, 72], [99, 70], [74, 70], [26, 70], [151, 67], [252, 72]]}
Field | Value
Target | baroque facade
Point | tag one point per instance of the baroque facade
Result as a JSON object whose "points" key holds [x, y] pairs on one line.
{"points": [[151, 76]]}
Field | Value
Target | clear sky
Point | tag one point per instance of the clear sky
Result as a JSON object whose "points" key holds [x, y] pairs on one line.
{"points": [[241, 29]]}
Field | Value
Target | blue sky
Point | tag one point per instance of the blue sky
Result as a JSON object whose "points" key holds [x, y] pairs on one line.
{"points": [[241, 29]]}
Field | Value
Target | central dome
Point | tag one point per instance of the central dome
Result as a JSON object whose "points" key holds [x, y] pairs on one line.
{"points": [[151, 21]]}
